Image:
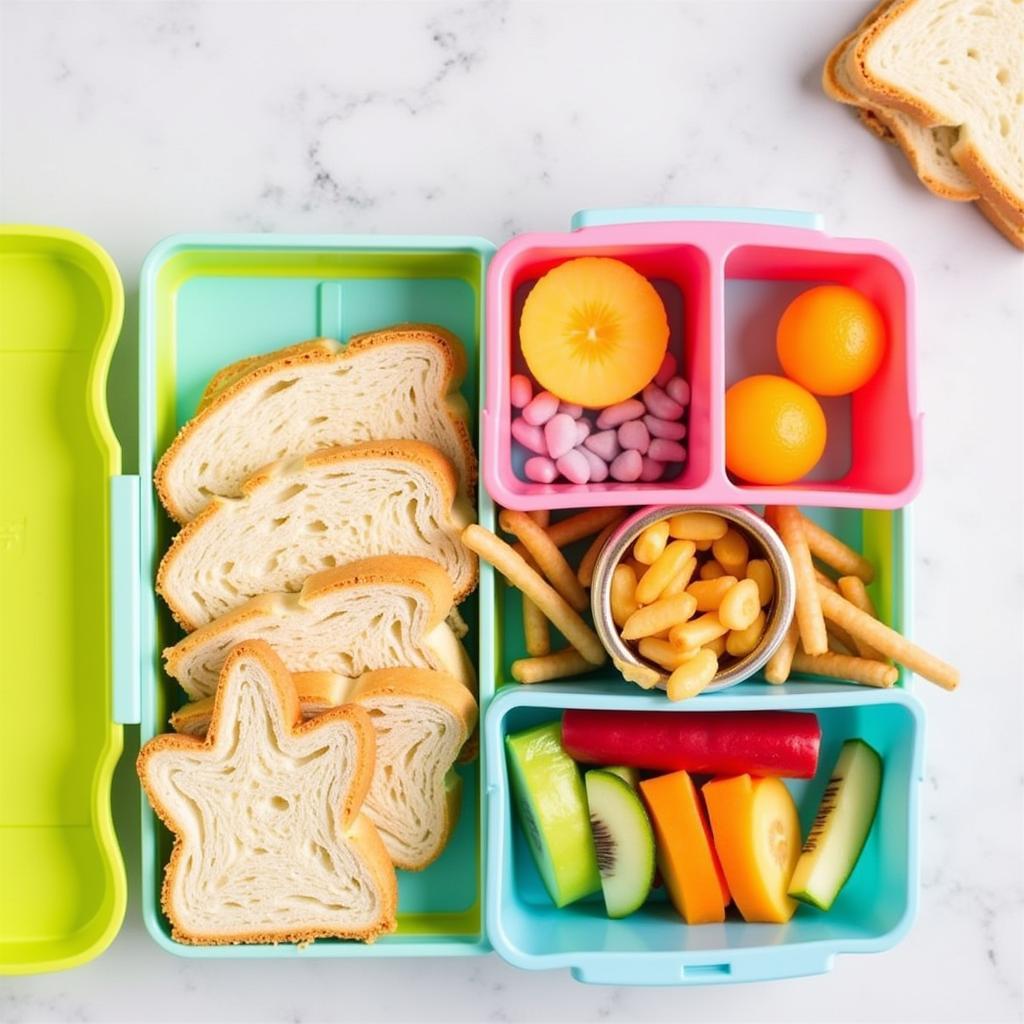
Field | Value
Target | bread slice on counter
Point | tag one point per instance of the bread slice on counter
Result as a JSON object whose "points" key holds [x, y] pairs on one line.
{"points": [[271, 844], [315, 512], [423, 719], [955, 63], [402, 382], [374, 613], [929, 150]]}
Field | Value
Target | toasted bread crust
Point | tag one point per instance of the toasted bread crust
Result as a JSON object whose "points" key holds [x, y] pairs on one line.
{"points": [[875, 125], [1015, 235], [247, 373], [417, 452], [361, 834]]}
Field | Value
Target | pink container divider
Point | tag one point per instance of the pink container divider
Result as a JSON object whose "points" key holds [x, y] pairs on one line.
{"points": [[694, 260]]}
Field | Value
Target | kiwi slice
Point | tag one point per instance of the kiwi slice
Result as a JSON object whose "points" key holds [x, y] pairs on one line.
{"points": [[623, 839], [628, 774]]}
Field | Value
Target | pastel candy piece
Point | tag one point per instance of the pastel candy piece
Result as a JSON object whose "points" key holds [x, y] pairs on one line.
{"points": [[530, 437], [630, 409], [574, 467], [582, 430], [605, 444], [598, 467], [666, 371], [666, 451], [575, 411], [520, 390], [634, 435], [540, 470], [658, 404], [560, 435], [673, 430], [627, 467], [540, 409], [652, 470], [678, 389]]}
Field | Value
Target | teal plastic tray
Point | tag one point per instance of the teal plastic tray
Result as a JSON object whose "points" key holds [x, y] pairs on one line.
{"points": [[205, 302], [883, 537], [653, 946]]}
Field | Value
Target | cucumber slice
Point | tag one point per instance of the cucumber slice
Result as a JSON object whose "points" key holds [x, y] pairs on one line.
{"points": [[552, 809], [841, 826], [624, 841]]}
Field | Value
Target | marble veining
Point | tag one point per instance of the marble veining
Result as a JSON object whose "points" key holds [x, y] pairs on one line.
{"points": [[130, 121]]}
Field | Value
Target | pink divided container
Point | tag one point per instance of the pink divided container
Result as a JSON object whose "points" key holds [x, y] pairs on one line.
{"points": [[724, 281]]}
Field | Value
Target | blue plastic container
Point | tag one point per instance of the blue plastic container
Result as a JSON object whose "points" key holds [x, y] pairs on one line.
{"points": [[653, 946]]}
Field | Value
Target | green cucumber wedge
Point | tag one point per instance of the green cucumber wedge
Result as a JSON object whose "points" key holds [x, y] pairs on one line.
{"points": [[552, 808], [624, 841], [841, 827]]}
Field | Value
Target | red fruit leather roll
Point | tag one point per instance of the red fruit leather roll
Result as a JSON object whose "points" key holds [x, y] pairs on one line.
{"points": [[784, 743]]}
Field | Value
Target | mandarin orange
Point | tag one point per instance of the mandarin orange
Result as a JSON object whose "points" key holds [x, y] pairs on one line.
{"points": [[831, 339], [775, 430]]}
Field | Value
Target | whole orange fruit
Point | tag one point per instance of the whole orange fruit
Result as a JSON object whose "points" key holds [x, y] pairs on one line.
{"points": [[831, 339], [775, 430]]}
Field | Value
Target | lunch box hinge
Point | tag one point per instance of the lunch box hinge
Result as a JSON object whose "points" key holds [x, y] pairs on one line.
{"points": [[125, 559]]}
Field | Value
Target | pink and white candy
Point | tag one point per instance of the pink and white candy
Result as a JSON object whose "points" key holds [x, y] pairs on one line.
{"points": [[634, 440], [520, 391]]}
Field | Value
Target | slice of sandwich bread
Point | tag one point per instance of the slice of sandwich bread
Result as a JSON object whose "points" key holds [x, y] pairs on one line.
{"points": [[422, 719], [955, 63], [314, 512], [929, 150], [374, 613], [402, 382], [270, 840]]}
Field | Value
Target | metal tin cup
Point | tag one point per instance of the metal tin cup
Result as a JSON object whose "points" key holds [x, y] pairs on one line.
{"points": [[764, 543]]}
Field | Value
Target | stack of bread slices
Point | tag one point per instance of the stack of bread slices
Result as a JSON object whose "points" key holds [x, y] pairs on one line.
{"points": [[944, 80], [321, 491]]}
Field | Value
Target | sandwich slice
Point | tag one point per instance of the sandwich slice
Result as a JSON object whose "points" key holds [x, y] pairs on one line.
{"points": [[270, 842], [959, 64], [379, 612], [423, 720], [402, 382], [928, 149], [316, 512]]}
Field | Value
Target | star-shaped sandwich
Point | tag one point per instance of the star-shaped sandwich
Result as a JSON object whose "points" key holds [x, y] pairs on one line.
{"points": [[270, 842]]}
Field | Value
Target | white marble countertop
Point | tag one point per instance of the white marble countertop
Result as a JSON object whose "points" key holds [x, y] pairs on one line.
{"points": [[131, 121]]}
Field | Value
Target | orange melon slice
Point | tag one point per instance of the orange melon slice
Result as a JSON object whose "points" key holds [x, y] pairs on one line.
{"points": [[757, 836], [686, 856], [593, 331]]}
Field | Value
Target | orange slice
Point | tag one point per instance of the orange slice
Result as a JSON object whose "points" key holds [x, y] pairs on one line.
{"points": [[593, 331]]}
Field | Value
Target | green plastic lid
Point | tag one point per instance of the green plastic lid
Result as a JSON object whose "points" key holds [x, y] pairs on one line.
{"points": [[62, 882]]}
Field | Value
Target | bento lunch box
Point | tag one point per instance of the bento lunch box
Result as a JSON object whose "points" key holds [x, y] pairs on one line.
{"points": [[206, 301]]}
